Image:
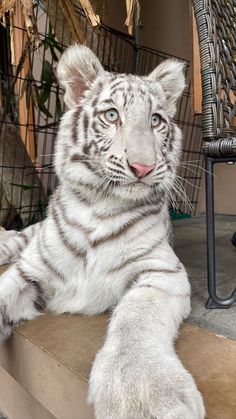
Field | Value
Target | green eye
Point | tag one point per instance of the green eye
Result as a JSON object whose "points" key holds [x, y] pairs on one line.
{"points": [[112, 115], [156, 120]]}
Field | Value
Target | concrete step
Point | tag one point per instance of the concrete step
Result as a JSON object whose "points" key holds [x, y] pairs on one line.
{"points": [[50, 359]]}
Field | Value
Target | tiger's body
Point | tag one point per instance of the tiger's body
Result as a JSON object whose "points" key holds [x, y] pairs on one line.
{"points": [[105, 241]]}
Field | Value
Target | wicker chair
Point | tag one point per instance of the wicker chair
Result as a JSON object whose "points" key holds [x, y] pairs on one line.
{"points": [[216, 26]]}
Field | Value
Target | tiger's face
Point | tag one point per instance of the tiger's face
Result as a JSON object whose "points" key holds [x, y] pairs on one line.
{"points": [[118, 136]]}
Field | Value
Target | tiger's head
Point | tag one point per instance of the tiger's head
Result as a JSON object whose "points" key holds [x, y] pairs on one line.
{"points": [[118, 135]]}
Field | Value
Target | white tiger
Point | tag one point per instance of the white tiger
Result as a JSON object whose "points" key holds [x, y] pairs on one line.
{"points": [[105, 240]]}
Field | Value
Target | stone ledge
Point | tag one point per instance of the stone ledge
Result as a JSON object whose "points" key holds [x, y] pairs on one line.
{"points": [[50, 358]]}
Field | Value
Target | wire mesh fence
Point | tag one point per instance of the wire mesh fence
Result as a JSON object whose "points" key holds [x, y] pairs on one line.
{"points": [[31, 104]]}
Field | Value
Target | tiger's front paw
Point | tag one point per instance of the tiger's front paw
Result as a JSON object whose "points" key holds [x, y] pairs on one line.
{"points": [[125, 388], [5, 325], [8, 250]]}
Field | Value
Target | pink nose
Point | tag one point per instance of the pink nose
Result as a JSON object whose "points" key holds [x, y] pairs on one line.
{"points": [[140, 170]]}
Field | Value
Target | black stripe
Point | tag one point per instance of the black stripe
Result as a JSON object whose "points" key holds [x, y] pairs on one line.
{"points": [[75, 125], [115, 180], [20, 245], [136, 277], [94, 102], [124, 228], [117, 89], [115, 163], [99, 86], [5, 319], [125, 100], [69, 222], [138, 257], [46, 261], [161, 165], [6, 249], [39, 302], [86, 149], [171, 137], [95, 126], [113, 170], [76, 157], [116, 84], [105, 147], [108, 102], [81, 198], [25, 238], [142, 207], [85, 122], [74, 250]]}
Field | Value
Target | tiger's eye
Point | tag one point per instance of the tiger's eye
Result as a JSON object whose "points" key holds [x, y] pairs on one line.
{"points": [[112, 115], [156, 120]]}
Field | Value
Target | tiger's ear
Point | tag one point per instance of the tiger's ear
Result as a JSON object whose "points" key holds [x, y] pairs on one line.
{"points": [[76, 70], [170, 74]]}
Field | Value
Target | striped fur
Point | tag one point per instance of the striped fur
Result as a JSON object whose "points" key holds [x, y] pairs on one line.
{"points": [[105, 241]]}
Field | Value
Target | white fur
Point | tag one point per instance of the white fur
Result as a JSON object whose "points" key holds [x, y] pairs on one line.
{"points": [[105, 241]]}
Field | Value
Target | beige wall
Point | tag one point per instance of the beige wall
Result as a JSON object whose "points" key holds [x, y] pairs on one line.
{"points": [[165, 24], [225, 190], [115, 14]]}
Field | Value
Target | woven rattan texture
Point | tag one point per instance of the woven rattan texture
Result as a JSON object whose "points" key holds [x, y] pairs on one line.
{"points": [[216, 23]]}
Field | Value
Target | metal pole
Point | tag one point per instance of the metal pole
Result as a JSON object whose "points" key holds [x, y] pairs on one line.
{"points": [[136, 39], [214, 301]]}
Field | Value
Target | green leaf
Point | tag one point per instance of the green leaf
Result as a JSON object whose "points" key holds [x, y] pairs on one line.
{"points": [[25, 187], [54, 55], [49, 29], [46, 44], [32, 219], [47, 73], [49, 192], [58, 107], [44, 95], [55, 44], [43, 109], [42, 209], [47, 78]]}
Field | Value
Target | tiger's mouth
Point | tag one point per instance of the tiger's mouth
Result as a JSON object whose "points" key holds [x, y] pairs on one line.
{"points": [[138, 186]]}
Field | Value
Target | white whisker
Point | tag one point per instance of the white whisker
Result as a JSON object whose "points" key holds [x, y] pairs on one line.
{"points": [[189, 183]]}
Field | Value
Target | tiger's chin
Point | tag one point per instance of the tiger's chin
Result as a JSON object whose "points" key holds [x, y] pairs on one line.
{"points": [[137, 191]]}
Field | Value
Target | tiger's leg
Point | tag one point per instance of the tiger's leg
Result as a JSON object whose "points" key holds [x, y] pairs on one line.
{"points": [[22, 286], [12, 243], [21, 298], [137, 373]]}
